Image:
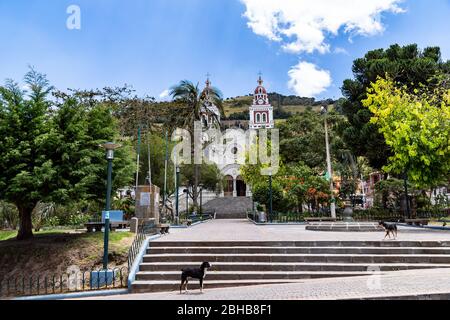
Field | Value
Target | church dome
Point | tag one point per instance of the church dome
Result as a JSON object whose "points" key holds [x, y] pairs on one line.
{"points": [[260, 89]]}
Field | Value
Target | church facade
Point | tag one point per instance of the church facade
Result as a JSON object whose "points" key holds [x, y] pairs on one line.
{"points": [[228, 156]]}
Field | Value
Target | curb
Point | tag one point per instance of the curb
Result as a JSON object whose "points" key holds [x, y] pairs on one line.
{"points": [[76, 295], [278, 224], [425, 227], [192, 225], [138, 260]]}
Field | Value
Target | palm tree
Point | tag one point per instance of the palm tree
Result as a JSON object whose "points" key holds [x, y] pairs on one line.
{"points": [[193, 100]]}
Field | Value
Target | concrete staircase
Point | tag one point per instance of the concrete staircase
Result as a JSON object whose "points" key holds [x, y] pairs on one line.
{"points": [[229, 207], [243, 263]]}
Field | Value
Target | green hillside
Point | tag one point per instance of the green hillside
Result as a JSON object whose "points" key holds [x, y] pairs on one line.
{"points": [[236, 108]]}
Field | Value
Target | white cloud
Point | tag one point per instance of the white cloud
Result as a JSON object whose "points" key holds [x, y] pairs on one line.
{"points": [[339, 50], [303, 25], [307, 80], [165, 94]]}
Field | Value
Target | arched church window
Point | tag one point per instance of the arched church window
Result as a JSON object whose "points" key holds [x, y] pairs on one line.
{"points": [[258, 118], [264, 118]]}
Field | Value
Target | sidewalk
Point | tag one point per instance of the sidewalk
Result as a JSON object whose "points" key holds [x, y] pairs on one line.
{"points": [[386, 285], [235, 230]]}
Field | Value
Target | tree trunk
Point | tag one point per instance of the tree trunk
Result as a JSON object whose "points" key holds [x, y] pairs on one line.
{"points": [[195, 188], [26, 226]]}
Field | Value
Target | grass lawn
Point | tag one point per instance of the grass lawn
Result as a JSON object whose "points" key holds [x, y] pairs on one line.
{"points": [[6, 235]]}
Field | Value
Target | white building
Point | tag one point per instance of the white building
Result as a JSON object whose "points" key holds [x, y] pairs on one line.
{"points": [[229, 156]]}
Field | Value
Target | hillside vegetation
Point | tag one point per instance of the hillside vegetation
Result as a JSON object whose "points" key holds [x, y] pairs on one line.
{"points": [[236, 108]]}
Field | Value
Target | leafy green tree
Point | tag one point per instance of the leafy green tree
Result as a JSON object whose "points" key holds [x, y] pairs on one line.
{"points": [[303, 186], [210, 179], [406, 66], [193, 100], [302, 139], [261, 194], [416, 126], [50, 153]]}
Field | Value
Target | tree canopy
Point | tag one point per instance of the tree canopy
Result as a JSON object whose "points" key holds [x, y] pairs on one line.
{"points": [[406, 65], [416, 126], [49, 151]]}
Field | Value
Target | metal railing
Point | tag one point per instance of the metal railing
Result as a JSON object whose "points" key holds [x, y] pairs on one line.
{"points": [[136, 245], [277, 217], [73, 281]]}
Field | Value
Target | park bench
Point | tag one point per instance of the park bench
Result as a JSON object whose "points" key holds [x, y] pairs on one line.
{"points": [[116, 221], [320, 219], [417, 222]]}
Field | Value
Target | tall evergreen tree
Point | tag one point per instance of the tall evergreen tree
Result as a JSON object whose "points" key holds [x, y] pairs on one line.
{"points": [[51, 153]]}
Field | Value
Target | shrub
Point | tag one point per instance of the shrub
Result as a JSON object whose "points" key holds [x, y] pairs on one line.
{"points": [[261, 194], [9, 216]]}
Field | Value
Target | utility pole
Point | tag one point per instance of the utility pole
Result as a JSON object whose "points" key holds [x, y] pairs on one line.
{"points": [[327, 147], [166, 160], [408, 209]]}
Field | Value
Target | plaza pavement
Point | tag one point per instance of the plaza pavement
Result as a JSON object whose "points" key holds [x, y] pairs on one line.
{"points": [[388, 285], [383, 285], [223, 230]]}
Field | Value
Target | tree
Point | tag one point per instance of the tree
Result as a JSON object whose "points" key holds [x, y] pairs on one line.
{"points": [[50, 153], [303, 186], [193, 100], [210, 178], [302, 139], [24, 127], [261, 194], [416, 126], [406, 66]]}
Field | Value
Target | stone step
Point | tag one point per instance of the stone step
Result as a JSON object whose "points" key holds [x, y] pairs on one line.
{"points": [[231, 215], [318, 258], [155, 286], [298, 250], [229, 207], [288, 266], [383, 244], [250, 275]]}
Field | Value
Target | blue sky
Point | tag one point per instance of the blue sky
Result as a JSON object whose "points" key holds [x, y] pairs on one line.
{"points": [[153, 44]]}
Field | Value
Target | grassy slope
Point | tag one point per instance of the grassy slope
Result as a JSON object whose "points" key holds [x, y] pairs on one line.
{"points": [[241, 104], [55, 251]]}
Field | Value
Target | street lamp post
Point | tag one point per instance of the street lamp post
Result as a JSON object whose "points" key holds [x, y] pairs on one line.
{"points": [[270, 196], [109, 147], [186, 191], [201, 198], [177, 184], [324, 111]]}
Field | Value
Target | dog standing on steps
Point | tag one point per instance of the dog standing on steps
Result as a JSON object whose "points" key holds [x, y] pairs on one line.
{"points": [[390, 228], [196, 273]]}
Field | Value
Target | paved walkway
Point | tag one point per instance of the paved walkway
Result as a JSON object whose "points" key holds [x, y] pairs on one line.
{"points": [[246, 230], [386, 285]]}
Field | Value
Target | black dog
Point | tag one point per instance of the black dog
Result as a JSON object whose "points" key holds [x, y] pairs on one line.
{"points": [[390, 228], [196, 273]]}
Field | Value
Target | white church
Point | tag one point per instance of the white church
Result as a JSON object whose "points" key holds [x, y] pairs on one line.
{"points": [[229, 160]]}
